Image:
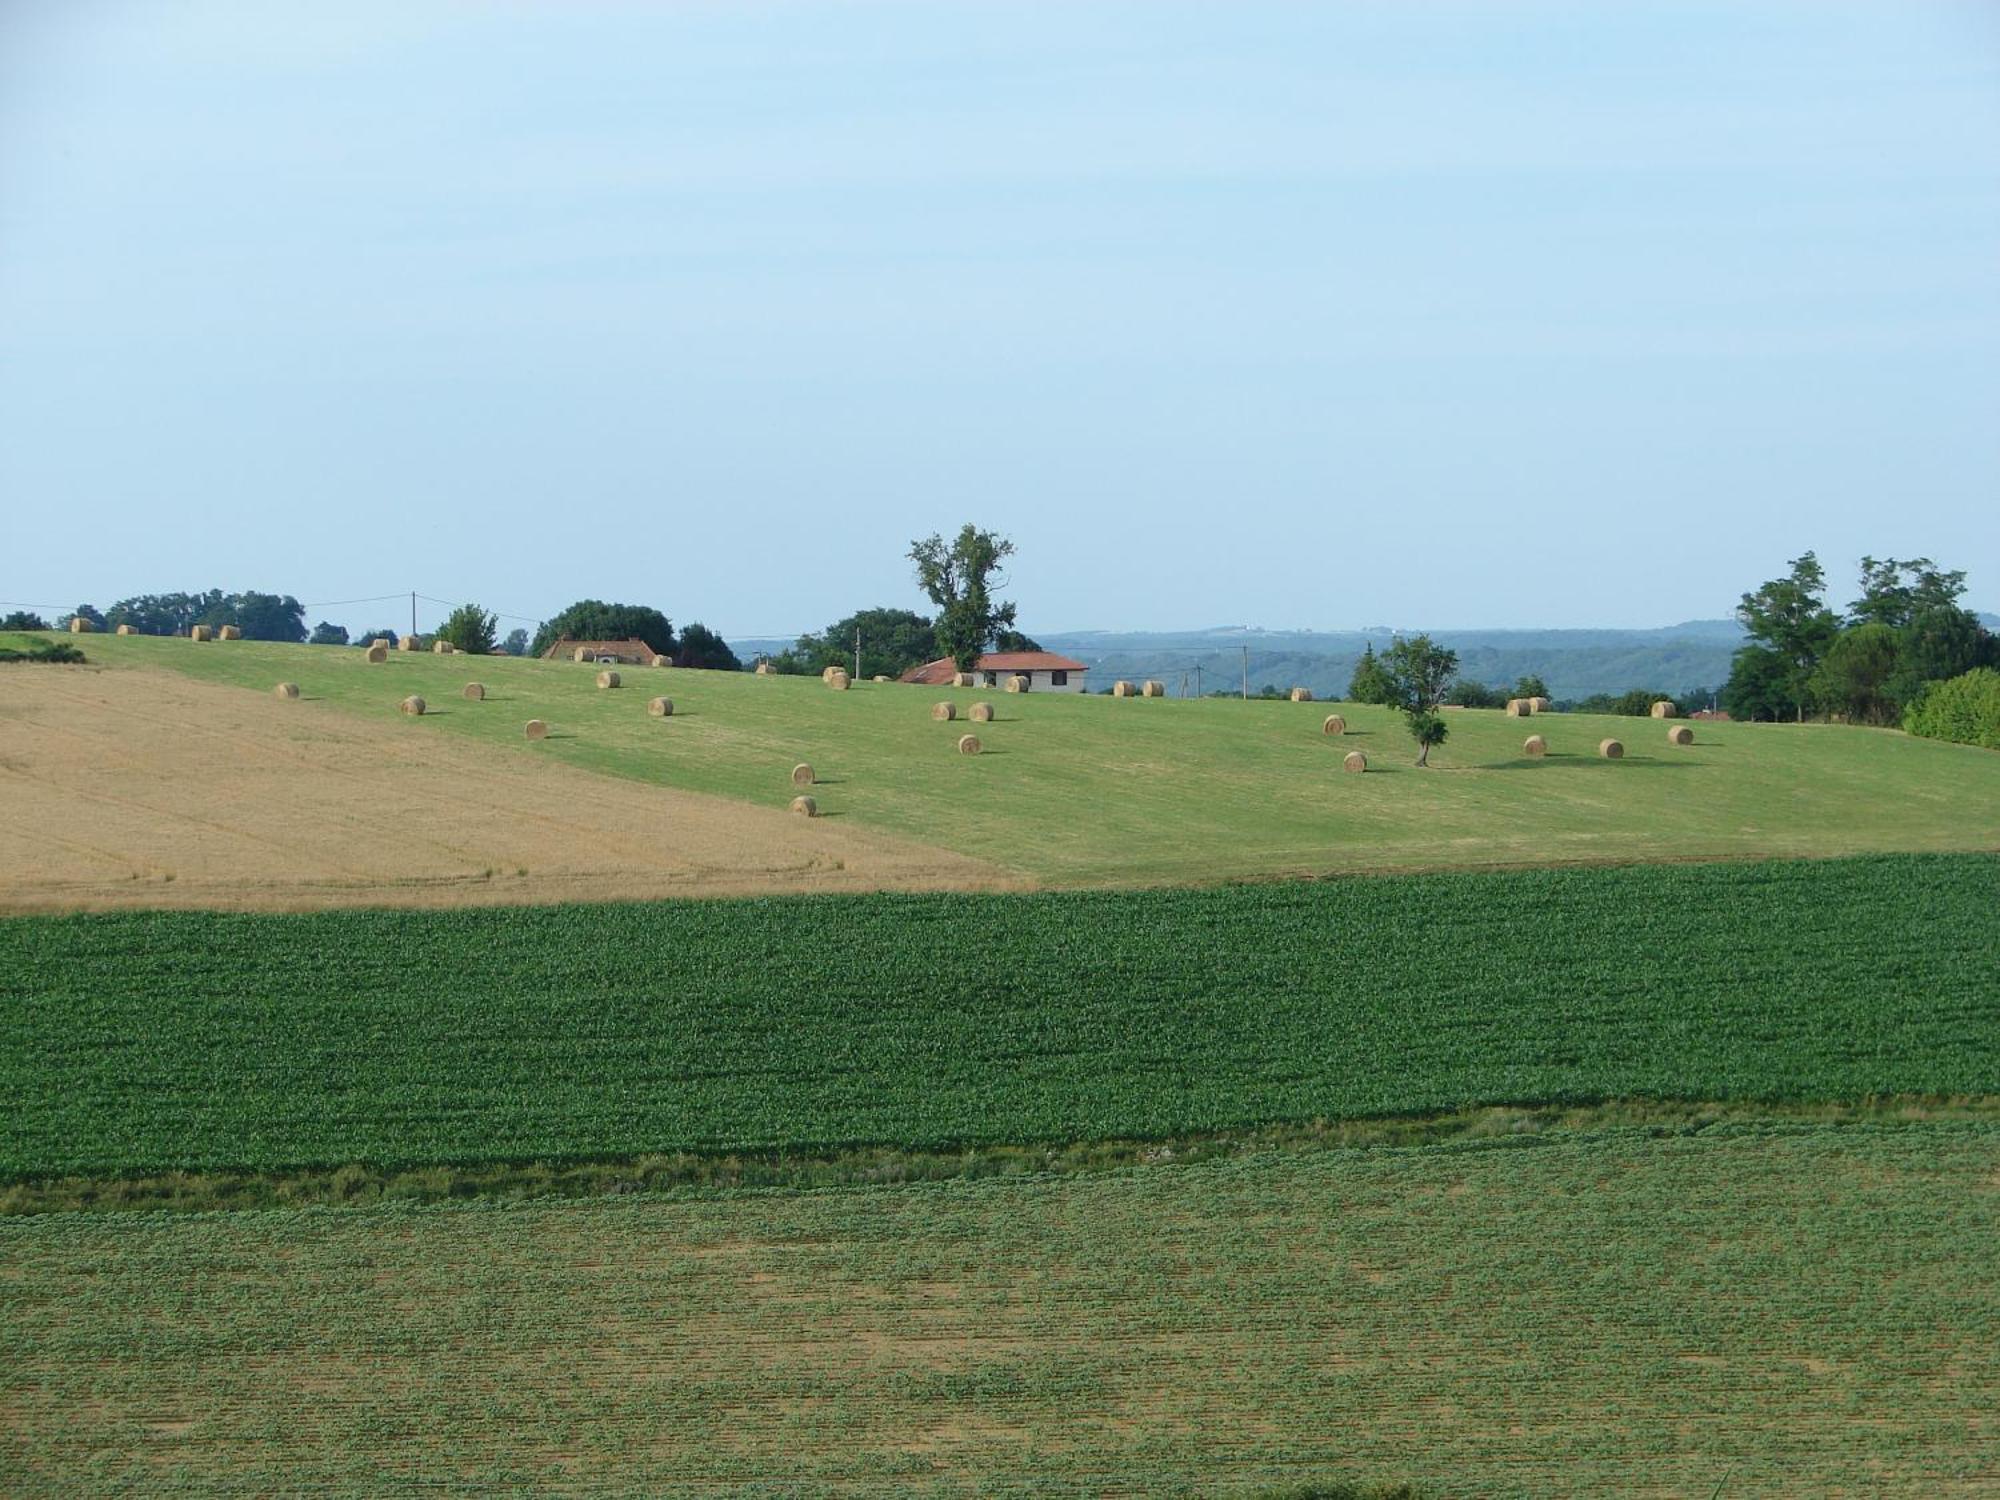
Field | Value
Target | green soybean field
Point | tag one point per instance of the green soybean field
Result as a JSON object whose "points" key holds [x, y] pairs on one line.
{"points": [[195, 1041]]}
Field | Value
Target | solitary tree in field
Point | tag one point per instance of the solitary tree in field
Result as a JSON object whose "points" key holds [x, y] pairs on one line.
{"points": [[469, 628], [957, 575], [516, 643], [1369, 684], [1531, 686], [326, 633], [1419, 670]]}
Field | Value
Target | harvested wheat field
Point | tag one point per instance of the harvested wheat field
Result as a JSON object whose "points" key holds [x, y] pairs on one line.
{"points": [[142, 788]]}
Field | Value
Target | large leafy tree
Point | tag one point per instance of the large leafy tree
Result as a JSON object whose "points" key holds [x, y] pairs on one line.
{"points": [[470, 629], [88, 612], [1419, 670], [23, 619], [1855, 677], [261, 617], [387, 633], [1531, 686], [958, 577], [594, 620], [326, 633], [702, 647], [1894, 591], [1939, 642], [268, 617], [516, 643], [892, 641], [1789, 616]]}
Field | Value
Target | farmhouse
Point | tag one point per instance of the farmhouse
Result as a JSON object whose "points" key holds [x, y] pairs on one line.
{"points": [[605, 653], [1046, 672]]}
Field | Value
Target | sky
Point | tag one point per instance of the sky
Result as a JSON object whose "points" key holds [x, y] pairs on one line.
{"points": [[1286, 315]]}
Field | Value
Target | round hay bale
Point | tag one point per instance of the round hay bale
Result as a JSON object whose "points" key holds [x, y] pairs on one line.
{"points": [[414, 705], [386, 642], [765, 669], [537, 730], [1302, 695], [442, 648], [968, 744], [964, 679], [1534, 747], [826, 673], [229, 633], [981, 713], [473, 692], [1538, 705], [805, 807], [1122, 689], [195, 632], [1611, 749], [662, 661], [378, 653], [1519, 708], [1334, 724], [1665, 709], [80, 625], [580, 654], [838, 680], [802, 775], [878, 677], [1152, 690], [1680, 734], [1354, 761], [287, 690], [1017, 683], [944, 712], [407, 643], [124, 629], [609, 679], [661, 708]]}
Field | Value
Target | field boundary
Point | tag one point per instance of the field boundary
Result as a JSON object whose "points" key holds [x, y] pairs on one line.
{"points": [[356, 1185]]}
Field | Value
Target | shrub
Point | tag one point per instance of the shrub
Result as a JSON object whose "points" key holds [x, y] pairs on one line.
{"points": [[1963, 709], [49, 651]]}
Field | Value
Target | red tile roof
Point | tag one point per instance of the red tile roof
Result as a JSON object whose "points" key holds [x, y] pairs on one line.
{"points": [[936, 673]]}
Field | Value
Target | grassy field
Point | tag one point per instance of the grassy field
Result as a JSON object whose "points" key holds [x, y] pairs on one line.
{"points": [[1090, 790], [1799, 1310], [156, 1041]]}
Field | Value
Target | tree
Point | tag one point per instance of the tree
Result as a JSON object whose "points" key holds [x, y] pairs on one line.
{"points": [[516, 643], [1966, 709], [1419, 670], [1469, 694], [1531, 686], [1759, 685], [1937, 643], [1853, 678], [594, 620], [326, 633], [1789, 616], [1369, 684], [266, 617], [958, 578], [703, 648], [88, 612], [386, 633], [167, 614], [470, 629], [1893, 591], [1013, 640], [22, 619], [892, 641]]}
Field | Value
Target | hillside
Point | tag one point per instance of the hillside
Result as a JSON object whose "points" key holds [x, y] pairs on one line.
{"points": [[1088, 790]]}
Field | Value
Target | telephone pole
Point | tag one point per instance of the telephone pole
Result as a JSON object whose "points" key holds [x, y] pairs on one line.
{"points": [[413, 611]]}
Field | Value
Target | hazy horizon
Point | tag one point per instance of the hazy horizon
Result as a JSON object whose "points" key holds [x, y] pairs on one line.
{"points": [[1546, 316]]}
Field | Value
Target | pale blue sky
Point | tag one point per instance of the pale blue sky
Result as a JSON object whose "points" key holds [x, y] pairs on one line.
{"points": [[1286, 315]]}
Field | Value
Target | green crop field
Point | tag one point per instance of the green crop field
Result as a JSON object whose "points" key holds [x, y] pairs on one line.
{"points": [[1803, 1310], [1092, 790], [142, 1043]]}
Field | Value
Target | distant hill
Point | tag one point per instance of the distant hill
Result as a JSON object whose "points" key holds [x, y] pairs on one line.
{"points": [[1574, 663]]}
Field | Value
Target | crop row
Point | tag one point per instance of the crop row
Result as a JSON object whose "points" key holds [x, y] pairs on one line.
{"points": [[166, 1041], [1802, 1311]]}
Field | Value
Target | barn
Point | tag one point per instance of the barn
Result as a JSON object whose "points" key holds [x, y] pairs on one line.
{"points": [[1045, 670]]}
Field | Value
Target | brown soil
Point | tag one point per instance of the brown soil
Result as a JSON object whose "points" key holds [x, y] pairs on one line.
{"points": [[147, 789]]}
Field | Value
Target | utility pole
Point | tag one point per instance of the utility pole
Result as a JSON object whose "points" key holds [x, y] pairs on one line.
{"points": [[413, 611], [1197, 679], [1246, 674]]}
